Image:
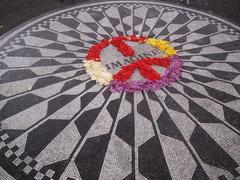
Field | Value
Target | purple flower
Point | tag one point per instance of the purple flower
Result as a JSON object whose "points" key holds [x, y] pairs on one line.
{"points": [[172, 73]]}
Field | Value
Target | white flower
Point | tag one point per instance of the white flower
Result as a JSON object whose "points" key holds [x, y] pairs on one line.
{"points": [[97, 71]]}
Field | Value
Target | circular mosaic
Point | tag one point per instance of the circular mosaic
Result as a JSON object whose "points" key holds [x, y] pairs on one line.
{"points": [[58, 123], [121, 81]]}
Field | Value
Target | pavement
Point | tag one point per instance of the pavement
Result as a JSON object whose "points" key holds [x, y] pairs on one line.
{"points": [[16, 12], [57, 123]]}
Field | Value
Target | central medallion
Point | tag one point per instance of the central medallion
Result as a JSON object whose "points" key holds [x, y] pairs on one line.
{"points": [[147, 67]]}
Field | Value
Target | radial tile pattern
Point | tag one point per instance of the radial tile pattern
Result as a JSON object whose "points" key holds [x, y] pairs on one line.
{"points": [[58, 124]]}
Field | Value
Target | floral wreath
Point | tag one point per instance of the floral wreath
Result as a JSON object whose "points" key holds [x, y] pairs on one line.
{"points": [[121, 80]]}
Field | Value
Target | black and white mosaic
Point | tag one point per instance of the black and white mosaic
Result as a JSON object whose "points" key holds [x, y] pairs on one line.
{"points": [[58, 124]]}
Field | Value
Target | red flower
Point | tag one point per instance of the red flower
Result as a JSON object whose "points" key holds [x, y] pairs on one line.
{"points": [[144, 67], [118, 42], [137, 38], [122, 47], [125, 73], [94, 51]]}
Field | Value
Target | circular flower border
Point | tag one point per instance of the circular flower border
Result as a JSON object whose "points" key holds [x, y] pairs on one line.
{"points": [[120, 81]]}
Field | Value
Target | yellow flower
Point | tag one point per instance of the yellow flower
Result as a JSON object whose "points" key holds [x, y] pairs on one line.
{"points": [[162, 46]]}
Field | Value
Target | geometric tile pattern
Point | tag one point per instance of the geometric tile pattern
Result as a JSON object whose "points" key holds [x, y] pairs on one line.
{"points": [[58, 124]]}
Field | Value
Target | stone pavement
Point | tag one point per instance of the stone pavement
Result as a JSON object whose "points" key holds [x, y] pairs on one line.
{"points": [[56, 123]]}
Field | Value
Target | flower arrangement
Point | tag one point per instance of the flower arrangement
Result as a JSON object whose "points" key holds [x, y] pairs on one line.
{"points": [[121, 80], [97, 71]]}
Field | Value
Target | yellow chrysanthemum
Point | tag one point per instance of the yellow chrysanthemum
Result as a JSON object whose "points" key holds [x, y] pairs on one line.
{"points": [[162, 46]]}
